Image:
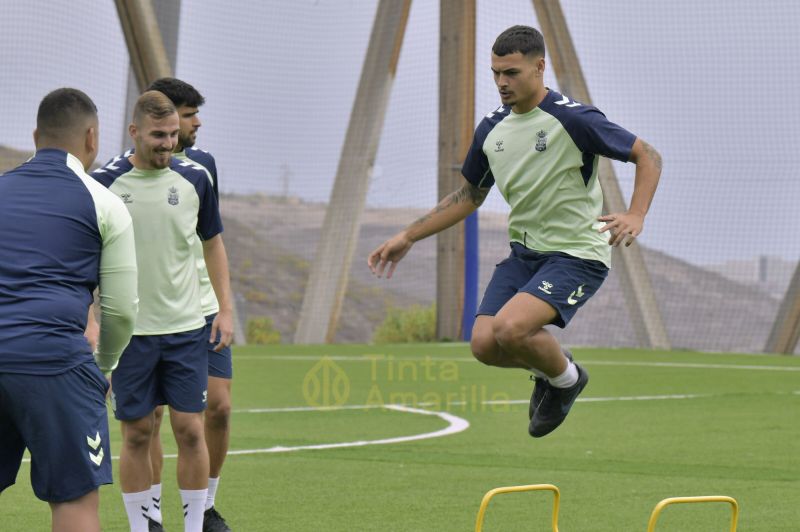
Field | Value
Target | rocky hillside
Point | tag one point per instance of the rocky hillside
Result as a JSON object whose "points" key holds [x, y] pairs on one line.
{"points": [[702, 310], [10, 158]]}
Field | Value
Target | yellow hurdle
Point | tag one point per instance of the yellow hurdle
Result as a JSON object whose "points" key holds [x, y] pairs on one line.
{"points": [[679, 500], [515, 489]]}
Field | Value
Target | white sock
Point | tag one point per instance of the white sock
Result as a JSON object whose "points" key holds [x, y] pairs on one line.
{"points": [[566, 379], [137, 505], [538, 373], [212, 491], [155, 503], [193, 508]]}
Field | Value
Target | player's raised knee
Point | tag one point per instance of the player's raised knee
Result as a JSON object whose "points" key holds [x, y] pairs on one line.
{"points": [[481, 349], [509, 332], [484, 347]]}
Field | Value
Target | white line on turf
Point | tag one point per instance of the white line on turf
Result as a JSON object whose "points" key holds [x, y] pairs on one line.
{"points": [[749, 367], [609, 399], [306, 409], [382, 358], [455, 425], [458, 403], [587, 399]]}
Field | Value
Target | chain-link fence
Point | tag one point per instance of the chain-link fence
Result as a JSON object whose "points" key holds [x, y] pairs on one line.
{"points": [[708, 84]]}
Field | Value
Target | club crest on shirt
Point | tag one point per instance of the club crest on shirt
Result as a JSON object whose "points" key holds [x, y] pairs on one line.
{"points": [[541, 143], [172, 198]]}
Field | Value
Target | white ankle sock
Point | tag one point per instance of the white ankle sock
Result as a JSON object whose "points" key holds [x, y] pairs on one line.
{"points": [[538, 373], [193, 508], [137, 506], [212, 491], [155, 503], [566, 379]]}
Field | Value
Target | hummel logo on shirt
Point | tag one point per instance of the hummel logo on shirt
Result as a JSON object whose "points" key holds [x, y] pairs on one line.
{"points": [[546, 286], [499, 145], [565, 101]]}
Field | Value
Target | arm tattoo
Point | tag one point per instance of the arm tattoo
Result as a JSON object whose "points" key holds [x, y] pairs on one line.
{"points": [[652, 153], [468, 192]]}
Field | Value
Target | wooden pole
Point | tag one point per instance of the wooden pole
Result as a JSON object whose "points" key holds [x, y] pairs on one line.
{"points": [[635, 279], [143, 37], [786, 330], [330, 271], [456, 126], [168, 16]]}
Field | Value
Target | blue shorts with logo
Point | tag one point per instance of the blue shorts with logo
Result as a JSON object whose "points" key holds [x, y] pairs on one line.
{"points": [[219, 364], [63, 421], [563, 281], [161, 369]]}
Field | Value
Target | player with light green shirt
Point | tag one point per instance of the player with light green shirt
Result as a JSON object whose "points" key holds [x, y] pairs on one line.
{"points": [[173, 206], [542, 150], [537, 160], [220, 362]]}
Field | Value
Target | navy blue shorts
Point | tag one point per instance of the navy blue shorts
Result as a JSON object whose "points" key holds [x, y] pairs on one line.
{"points": [[219, 364], [563, 281], [63, 421], [159, 369]]}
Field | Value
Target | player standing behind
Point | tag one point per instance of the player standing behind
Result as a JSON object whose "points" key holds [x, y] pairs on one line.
{"points": [[542, 150], [172, 204], [220, 363], [63, 234]]}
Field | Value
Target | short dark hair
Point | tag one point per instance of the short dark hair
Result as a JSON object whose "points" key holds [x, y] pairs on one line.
{"points": [[153, 104], [522, 39], [62, 111], [180, 92]]}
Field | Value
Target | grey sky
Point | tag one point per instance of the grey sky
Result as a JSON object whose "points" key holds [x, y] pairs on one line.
{"points": [[710, 84]]}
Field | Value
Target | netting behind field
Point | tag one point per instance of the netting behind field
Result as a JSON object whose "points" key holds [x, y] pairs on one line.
{"points": [[708, 84]]}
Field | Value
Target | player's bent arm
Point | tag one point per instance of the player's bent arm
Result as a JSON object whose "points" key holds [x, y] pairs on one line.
{"points": [[624, 227], [648, 172], [455, 207], [218, 273], [452, 209], [92, 332], [119, 299]]}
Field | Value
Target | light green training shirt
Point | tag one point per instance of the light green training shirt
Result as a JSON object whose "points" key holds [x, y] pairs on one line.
{"points": [[172, 210]]}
